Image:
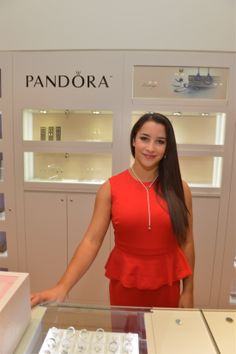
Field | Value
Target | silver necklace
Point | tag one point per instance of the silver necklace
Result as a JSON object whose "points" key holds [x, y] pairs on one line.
{"points": [[147, 188]]}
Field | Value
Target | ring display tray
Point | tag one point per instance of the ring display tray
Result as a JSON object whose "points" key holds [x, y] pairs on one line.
{"points": [[71, 341]]}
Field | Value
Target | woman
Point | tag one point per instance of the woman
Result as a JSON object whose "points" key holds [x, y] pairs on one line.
{"points": [[151, 211]]}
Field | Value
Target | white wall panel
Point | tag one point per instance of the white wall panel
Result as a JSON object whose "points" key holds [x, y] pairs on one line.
{"points": [[106, 24]]}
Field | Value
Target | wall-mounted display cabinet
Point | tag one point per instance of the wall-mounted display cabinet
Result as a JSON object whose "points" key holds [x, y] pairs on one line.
{"points": [[72, 116], [85, 137], [194, 90]]}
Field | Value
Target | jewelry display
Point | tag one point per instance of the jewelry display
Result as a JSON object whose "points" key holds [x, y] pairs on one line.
{"points": [[147, 188], [72, 341]]}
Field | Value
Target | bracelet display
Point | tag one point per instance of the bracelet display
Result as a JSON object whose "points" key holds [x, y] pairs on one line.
{"points": [[72, 341]]}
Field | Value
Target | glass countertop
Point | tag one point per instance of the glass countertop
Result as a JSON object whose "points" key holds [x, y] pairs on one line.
{"points": [[91, 318]]}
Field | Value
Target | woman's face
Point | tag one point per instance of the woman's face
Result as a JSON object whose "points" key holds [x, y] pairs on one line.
{"points": [[150, 144]]}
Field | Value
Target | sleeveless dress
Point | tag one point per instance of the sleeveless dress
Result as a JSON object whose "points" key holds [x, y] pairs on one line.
{"points": [[142, 258]]}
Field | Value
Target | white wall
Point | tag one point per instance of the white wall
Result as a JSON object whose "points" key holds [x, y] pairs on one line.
{"points": [[109, 24]]}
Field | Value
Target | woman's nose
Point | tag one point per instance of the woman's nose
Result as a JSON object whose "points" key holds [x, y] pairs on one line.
{"points": [[151, 146]]}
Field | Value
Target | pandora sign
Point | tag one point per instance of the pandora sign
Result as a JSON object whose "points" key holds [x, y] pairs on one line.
{"points": [[63, 81]]}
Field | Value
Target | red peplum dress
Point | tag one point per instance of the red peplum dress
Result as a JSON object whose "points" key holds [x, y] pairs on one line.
{"points": [[146, 265]]}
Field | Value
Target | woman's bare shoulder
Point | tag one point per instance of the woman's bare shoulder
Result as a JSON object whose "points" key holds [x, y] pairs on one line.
{"points": [[104, 191], [187, 193]]}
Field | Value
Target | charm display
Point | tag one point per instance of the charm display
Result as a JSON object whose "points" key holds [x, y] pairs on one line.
{"points": [[72, 341]]}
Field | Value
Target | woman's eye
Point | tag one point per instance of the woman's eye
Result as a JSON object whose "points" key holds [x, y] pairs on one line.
{"points": [[143, 138], [160, 142]]}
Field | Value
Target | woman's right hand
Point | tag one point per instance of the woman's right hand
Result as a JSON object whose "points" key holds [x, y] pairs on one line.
{"points": [[56, 294]]}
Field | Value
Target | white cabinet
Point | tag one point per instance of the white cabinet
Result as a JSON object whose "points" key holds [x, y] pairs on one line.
{"points": [[8, 239], [72, 117], [55, 224], [195, 90]]}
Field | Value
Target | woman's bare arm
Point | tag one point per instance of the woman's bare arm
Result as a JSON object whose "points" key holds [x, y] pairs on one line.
{"points": [[86, 251], [186, 299]]}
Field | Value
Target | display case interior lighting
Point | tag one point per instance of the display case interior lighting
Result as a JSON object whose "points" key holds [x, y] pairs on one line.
{"points": [[220, 128], [27, 124], [217, 172], [29, 166]]}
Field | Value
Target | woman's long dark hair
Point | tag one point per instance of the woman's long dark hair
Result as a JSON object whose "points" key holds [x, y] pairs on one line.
{"points": [[169, 184]]}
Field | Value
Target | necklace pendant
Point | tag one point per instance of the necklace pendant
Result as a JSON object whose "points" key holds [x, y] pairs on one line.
{"points": [[149, 227]]}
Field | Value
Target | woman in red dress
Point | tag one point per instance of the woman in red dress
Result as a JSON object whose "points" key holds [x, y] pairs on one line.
{"points": [[150, 207]]}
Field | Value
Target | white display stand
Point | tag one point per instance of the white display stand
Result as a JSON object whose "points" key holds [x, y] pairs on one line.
{"points": [[73, 341], [15, 311]]}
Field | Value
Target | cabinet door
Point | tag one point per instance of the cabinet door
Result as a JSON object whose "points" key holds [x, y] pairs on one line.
{"points": [[205, 232], [93, 287], [46, 238]]}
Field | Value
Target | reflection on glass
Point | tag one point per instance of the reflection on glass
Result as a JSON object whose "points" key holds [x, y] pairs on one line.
{"points": [[67, 125], [195, 127], [3, 243], [67, 167], [179, 82], [201, 171]]}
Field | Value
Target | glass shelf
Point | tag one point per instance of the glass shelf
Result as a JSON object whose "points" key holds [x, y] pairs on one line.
{"points": [[179, 82], [67, 125], [67, 167], [195, 127], [201, 171]]}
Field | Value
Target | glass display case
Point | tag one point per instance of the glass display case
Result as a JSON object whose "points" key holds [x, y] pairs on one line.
{"points": [[74, 328], [103, 330], [67, 125], [67, 167], [65, 146], [200, 138]]}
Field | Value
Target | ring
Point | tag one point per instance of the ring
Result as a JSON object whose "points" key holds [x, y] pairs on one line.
{"points": [[99, 333], [70, 332], [113, 346], [54, 331], [83, 334], [129, 337], [51, 343], [66, 343], [128, 347]]}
